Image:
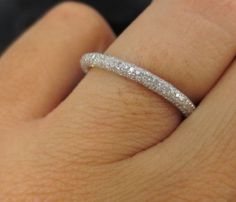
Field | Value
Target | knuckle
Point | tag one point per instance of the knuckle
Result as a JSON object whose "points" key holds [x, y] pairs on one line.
{"points": [[77, 15], [72, 10]]}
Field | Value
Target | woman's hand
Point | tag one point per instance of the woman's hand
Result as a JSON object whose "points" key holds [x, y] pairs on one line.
{"points": [[107, 138]]}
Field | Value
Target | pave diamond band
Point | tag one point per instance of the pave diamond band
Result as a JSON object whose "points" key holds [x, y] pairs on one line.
{"points": [[141, 76]]}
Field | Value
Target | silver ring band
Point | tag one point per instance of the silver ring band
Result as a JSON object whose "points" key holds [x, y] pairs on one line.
{"points": [[141, 76]]}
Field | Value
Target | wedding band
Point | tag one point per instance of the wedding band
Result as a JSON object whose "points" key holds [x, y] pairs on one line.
{"points": [[141, 76]]}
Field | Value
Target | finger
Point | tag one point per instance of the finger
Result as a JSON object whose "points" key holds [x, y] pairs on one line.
{"points": [[42, 67], [181, 41], [200, 154]]}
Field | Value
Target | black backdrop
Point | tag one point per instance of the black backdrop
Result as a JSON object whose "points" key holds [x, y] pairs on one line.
{"points": [[17, 15]]}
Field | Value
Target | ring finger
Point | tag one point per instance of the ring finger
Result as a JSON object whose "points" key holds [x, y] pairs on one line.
{"points": [[183, 42]]}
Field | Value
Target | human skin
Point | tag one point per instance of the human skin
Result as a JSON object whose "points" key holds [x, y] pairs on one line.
{"points": [[104, 137]]}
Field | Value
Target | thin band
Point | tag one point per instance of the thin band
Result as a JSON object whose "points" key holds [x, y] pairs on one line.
{"points": [[141, 76]]}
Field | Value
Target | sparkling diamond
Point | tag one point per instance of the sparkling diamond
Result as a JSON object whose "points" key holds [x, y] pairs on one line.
{"points": [[142, 76], [137, 72], [181, 98]]}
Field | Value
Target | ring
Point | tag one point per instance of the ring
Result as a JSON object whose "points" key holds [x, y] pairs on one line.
{"points": [[141, 76]]}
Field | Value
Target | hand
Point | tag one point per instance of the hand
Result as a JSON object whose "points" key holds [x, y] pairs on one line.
{"points": [[107, 138]]}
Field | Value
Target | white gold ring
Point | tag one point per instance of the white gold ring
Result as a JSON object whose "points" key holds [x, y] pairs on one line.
{"points": [[141, 76]]}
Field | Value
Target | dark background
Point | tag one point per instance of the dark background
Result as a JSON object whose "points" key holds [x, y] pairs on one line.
{"points": [[17, 15]]}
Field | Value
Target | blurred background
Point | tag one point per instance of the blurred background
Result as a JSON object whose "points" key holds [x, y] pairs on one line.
{"points": [[17, 15]]}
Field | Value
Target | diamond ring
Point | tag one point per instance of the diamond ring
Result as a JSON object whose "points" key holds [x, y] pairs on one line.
{"points": [[141, 76]]}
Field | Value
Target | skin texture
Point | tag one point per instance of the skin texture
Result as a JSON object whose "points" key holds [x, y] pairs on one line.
{"points": [[105, 138]]}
